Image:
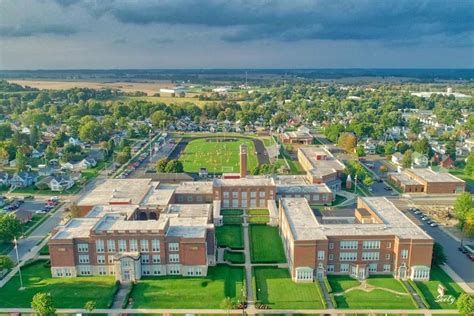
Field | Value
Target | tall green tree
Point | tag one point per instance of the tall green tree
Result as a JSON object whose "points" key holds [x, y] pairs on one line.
{"points": [[21, 160], [462, 206], [43, 304], [439, 257], [10, 227], [465, 304]]}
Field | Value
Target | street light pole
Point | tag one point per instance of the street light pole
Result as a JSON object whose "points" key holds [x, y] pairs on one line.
{"points": [[18, 263]]}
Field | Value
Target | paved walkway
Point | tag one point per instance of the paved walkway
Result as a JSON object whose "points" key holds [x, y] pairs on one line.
{"points": [[326, 295], [248, 268], [415, 295], [121, 295]]}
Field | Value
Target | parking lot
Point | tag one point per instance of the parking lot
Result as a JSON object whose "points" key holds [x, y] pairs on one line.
{"points": [[33, 206]]}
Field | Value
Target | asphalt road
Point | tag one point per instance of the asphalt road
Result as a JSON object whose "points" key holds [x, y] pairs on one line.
{"points": [[455, 259]]}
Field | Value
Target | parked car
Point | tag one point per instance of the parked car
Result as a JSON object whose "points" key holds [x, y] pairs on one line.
{"points": [[40, 212], [434, 224], [462, 249], [416, 212]]}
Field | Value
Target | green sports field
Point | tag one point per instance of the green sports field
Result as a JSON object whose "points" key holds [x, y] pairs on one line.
{"points": [[218, 155]]}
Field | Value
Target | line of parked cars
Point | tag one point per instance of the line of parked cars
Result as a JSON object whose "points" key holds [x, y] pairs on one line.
{"points": [[422, 216], [466, 250], [14, 205], [49, 205], [134, 165]]}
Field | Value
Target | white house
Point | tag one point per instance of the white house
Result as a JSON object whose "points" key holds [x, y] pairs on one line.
{"points": [[87, 163], [420, 160], [75, 141], [397, 158], [67, 166]]}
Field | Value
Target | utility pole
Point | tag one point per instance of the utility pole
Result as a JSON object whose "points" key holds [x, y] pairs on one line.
{"points": [[18, 263]]}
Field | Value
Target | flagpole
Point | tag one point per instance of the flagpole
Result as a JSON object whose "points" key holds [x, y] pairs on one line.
{"points": [[18, 263]]}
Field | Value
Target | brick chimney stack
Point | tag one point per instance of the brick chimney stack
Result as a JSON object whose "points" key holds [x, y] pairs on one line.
{"points": [[243, 160]]}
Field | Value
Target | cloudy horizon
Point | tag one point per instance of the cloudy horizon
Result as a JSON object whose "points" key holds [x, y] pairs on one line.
{"points": [[90, 34]]}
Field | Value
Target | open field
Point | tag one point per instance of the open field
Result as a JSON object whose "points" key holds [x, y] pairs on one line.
{"points": [[66, 292], [376, 298], [230, 236], [167, 99], [189, 292], [275, 288], [266, 245], [216, 155], [429, 289], [460, 174], [149, 87]]}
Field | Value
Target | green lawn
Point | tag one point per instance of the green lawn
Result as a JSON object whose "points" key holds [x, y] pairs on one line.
{"points": [[375, 299], [430, 288], [230, 236], [234, 257], [216, 156], [259, 219], [232, 220], [225, 212], [189, 292], [66, 292], [258, 212], [266, 245], [35, 220], [460, 174], [275, 288]]}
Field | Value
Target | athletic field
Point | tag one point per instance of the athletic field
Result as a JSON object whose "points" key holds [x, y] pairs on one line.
{"points": [[218, 155]]}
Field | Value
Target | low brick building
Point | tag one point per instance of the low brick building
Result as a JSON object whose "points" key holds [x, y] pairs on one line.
{"points": [[427, 181], [296, 137], [378, 239]]}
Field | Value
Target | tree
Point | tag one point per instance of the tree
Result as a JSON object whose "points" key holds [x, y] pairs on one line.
{"points": [[123, 156], [389, 148], [468, 228], [415, 125], [161, 165], [42, 303], [360, 151], [89, 306], [21, 160], [451, 149], [9, 227], [227, 304], [368, 181], [407, 159], [439, 257], [91, 131], [383, 169], [174, 166], [74, 211], [469, 168], [462, 206], [347, 141], [159, 118], [465, 304], [5, 131], [6, 262], [422, 146]]}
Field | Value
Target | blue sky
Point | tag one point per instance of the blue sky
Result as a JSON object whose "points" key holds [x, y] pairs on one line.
{"points": [[51, 34]]}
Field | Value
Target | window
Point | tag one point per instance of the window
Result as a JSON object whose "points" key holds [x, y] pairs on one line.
{"points": [[110, 259], [145, 258], [102, 271], [174, 258], [85, 270], [331, 268], [226, 203], [144, 245], [387, 268], [146, 270], [133, 245], [67, 272], [174, 269], [101, 259], [156, 258], [370, 256], [348, 256], [235, 195], [99, 245], [321, 255], [371, 244], [173, 246], [190, 198], [331, 245], [156, 271], [155, 245], [243, 195], [83, 247], [348, 244], [387, 256], [226, 195], [235, 203], [330, 257], [261, 194], [194, 271], [325, 196], [404, 254], [122, 245], [344, 267], [389, 244], [253, 194], [373, 267], [83, 258], [111, 245]]}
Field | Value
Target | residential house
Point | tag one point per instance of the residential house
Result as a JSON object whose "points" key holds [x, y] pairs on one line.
{"points": [[87, 163], [369, 147], [45, 170], [4, 179], [56, 183], [67, 166], [23, 179], [75, 141], [420, 160], [36, 154], [397, 158], [447, 162], [23, 216]]}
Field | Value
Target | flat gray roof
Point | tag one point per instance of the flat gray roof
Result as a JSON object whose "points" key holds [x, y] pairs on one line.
{"points": [[198, 187], [432, 176], [305, 226], [321, 167], [403, 178], [125, 191], [255, 181]]}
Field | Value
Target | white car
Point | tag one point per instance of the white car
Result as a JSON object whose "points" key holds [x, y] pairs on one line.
{"points": [[40, 212]]}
